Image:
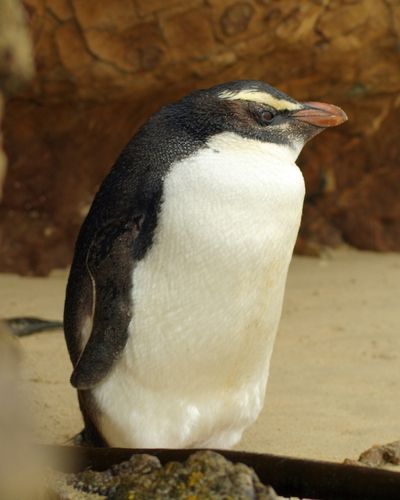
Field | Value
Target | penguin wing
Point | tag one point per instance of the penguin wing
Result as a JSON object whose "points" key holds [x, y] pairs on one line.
{"points": [[110, 265]]}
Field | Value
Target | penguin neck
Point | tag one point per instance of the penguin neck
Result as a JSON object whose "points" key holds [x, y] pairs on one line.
{"points": [[282, 153]]}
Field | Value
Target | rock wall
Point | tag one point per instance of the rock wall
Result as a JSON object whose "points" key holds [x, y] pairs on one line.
{"points": [[103, 67], [16, 69], [16, 62], [18, 464]]}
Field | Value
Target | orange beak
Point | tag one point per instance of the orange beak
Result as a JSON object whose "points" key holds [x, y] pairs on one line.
{"points": [[320, 114]]}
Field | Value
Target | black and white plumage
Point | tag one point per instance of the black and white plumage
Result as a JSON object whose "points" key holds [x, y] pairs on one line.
{"points": [[176, 287]]}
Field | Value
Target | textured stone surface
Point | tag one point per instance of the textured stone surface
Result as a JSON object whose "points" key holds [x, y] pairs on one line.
{"points": [[205, 475], [16, 62], [101, 71], [17, 462], [3, 159], [16, 65]]}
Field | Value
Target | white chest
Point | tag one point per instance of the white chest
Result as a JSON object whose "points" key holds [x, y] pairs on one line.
{"points": [[207, 299]]}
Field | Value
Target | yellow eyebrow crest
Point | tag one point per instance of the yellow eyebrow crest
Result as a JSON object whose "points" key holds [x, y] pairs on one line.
{"points": [[261, 97]]}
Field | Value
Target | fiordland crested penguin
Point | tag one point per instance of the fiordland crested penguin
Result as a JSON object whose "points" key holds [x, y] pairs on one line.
{"points": [[176, 287]]}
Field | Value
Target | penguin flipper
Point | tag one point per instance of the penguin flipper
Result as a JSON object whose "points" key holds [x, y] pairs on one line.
{"points": [[110, 266]]}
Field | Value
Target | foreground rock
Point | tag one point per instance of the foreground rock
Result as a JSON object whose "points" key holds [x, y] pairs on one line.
{"points": [[20, 465], [205, 475]]}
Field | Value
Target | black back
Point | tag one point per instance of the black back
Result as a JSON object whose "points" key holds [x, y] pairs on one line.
{"points": [[117, 232]]}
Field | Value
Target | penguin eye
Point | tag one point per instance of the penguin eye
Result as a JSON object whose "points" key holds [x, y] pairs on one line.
{"points": [[267, 117]]}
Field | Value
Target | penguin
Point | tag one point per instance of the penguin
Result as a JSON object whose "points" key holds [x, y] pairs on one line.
{"points": [[176, 287]]}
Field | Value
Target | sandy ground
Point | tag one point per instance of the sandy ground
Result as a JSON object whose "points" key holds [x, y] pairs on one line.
{"points": [[335, 378]]}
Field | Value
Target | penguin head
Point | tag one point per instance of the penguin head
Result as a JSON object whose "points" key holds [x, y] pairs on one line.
{"points": [[255, 110]]}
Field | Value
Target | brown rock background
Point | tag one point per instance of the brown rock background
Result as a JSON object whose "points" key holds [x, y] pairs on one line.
{"points": [[103, 67], [16, 62], [19, 465]]}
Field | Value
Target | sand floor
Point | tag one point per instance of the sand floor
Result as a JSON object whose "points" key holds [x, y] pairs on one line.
{"points": [[334, 384]]}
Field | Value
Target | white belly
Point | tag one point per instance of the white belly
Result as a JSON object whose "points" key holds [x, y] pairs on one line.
{"points": [[207, 301]]}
